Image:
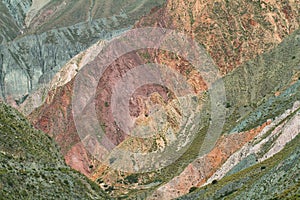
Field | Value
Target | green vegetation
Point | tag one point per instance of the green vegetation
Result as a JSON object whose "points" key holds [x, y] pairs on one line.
{"points": [[192, 189], [32, 167], [250, 88], [133, 178]]}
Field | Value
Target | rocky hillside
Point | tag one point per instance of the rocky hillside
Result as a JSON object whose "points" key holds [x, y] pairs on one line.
{"points": [[39, 49], [59, 14], [18, 10], [32, 166], [9, 29], [231, 31], [255, 46], [254, 100], [13, 14]]}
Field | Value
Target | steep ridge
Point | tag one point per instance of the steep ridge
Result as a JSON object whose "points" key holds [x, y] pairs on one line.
{"points": [[266, 141], [31, 60], [68, 71], [254, 44], [246, 88], [253, 103], [32, 166], [197, 173]]}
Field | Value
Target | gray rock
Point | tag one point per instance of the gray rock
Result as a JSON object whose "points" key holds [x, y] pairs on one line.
{"points": [[31, 61]]}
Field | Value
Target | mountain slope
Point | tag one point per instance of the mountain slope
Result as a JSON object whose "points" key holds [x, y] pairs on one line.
{"points": [[57, 14], [247, 88], [12, 19], [257, 93], [18, 10], [32, 167], [234, 153], [275, 178], [59, 31], [231, 31], [8, 28], [254, 44]]}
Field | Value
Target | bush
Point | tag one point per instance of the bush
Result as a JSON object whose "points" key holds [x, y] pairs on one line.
{"points": [[133, 178], [227, 105], [192, 189]]}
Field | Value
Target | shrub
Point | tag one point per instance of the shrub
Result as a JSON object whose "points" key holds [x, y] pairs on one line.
{"points": [[192, 189], [133, 178]]}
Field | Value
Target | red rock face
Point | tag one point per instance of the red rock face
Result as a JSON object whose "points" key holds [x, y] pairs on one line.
{"points": [[78, 158], [55, 116], [231, 31], [104, 93]]}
